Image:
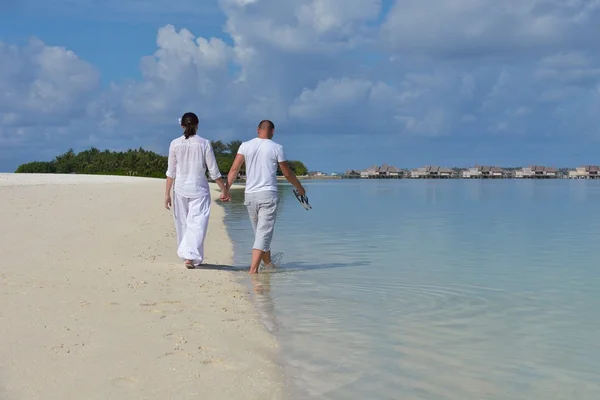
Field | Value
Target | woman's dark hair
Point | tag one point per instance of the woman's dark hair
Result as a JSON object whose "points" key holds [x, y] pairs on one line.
{"points": [[190, 122]]}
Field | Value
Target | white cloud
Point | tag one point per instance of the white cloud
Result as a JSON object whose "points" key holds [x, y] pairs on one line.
{"points": [[522, 111], [484, 27], [331, 95], [570, 68], [120, 10], [205, 54], [574, 59], [469, 86], [185, 72], [309, 64], [433, 123], [357, 104], [43, 84], [300, 25], [336, 16]]}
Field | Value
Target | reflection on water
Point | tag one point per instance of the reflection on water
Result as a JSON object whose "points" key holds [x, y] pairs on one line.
{"points": [[261, 286], [434, 289]]}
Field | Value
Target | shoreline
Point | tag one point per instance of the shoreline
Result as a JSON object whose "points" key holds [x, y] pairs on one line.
{"points": [[97, 302], [259, 286]]}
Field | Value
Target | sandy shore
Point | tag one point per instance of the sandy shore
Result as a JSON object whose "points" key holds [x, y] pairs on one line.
{"points": [[95, 303]]}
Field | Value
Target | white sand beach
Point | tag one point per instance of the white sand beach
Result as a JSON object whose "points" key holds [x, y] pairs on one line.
{"points": [[95, 303]]}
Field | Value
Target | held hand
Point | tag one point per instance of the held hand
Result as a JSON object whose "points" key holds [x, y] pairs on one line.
{"points": [[301, 191], [225, 196], [168, 202]]}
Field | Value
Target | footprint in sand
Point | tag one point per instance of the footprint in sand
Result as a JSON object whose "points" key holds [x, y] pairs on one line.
{"points": [[127, 382], [196, 325], [154, 310], [217, 361], [206, 349]]}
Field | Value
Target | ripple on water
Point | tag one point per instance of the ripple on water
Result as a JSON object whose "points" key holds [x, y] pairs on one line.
{"points": [[440, 341], [455, 299]]}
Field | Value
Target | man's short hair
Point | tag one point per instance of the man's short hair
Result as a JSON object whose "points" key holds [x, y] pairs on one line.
{"points": [[266, 123]]}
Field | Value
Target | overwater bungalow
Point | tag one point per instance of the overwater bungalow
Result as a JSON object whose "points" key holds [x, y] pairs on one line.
{"points": [[383, 172], [585, 172], [419, 173], [389, 171], [432, 172], [484, 172], [370, 173], [316, 173], [351, 174], [537, 172]]}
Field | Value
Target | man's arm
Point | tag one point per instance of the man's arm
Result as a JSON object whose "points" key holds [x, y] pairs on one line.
{"points": [[235, 168], [291, 177]]}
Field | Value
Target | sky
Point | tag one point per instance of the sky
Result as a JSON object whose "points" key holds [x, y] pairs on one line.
{"points": [[348, 83]]}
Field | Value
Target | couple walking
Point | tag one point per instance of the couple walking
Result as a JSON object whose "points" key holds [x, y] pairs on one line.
{"points": [[191, 156]]}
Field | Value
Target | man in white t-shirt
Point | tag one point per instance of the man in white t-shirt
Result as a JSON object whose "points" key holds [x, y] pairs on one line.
{"points": [[262, 157]]}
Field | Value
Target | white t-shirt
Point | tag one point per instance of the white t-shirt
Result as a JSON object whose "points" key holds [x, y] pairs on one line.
{"points": [[188, 161], [262, 157]]}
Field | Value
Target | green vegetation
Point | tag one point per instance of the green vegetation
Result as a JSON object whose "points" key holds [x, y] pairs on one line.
{"points": [[137, 162], [225, 154], [297, 166]]}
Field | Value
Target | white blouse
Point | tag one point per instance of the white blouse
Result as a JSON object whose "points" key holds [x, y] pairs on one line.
{"points": [[188, 161]]}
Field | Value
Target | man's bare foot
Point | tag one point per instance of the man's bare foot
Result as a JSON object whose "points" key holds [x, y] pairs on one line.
{"points": [[189, 264], [266, 257]]}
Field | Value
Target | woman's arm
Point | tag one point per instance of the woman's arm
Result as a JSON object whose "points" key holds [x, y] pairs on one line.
{"points": [[168, 201], [213, 171], [171, 172], [223, 186]]}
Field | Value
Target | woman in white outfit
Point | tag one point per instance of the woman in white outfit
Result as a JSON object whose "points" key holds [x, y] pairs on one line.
{"points": [[190, 156]]}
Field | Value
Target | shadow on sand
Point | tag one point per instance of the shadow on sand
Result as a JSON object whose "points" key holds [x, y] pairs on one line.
{"points": [[220, 267], [287, 267]]}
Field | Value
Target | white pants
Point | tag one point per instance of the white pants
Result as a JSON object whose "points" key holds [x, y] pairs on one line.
{"points": [[191, 223]]}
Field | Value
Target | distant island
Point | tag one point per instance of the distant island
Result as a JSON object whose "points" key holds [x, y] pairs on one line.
{"points": [[476, 172], [132, 162], [145, 163]]}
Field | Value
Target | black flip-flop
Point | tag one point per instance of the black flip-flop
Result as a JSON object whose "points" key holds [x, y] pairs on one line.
{"points": [[303, 200]]}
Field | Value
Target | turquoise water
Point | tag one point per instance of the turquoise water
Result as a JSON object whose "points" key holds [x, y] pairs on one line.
{"points": [[447, 289]]}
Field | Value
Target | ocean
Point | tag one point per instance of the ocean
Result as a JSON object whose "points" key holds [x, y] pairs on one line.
{"points": [[433, 289]]}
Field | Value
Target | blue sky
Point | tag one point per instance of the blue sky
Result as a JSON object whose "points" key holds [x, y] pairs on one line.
{"points": [[348, 83]]}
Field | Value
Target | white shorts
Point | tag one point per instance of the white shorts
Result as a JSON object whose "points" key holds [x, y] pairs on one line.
{"points": [[262, 209]]}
